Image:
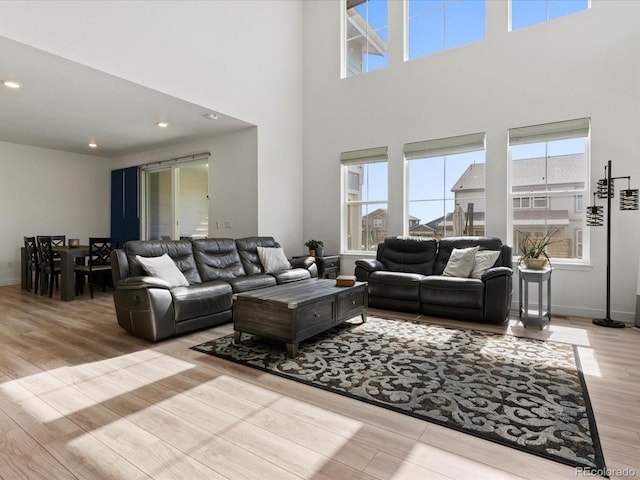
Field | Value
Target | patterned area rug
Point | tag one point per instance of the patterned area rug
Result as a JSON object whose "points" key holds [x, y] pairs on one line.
{"points": [[522, 393]]}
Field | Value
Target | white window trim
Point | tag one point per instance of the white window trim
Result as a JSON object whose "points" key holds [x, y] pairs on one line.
{"points": [[350, 158], [574, 129]]}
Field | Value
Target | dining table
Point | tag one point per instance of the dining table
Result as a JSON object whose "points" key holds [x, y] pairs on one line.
{"points": [[68, 256]]}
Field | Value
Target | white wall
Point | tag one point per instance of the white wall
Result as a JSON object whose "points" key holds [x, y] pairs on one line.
{"points": [[233, 179], [49, 192], [583, 65], [239, 58]]}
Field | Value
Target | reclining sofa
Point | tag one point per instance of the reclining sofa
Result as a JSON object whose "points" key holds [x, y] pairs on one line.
{"points": [[407, 275], [215, 268]]}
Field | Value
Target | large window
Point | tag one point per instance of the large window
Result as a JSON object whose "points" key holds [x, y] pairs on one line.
{"points": [[549, 178], [435, 25], [176, 200], [366, 36], [529, 12], [445, 187], [365, 193]]}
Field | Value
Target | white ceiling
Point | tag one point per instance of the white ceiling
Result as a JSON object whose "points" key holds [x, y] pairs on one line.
{"points": [[64, 105]]}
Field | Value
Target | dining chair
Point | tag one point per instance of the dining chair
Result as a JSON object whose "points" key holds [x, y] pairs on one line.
{"points": [[49, 266], [31, 262], [98, 262]]}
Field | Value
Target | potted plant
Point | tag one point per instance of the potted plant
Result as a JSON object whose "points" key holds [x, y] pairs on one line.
{"points": [[533, 250], [316, 247]]}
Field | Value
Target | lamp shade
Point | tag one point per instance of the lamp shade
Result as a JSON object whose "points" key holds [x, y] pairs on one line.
{"points": [[603, 188], [629, 199], [595, 216]]}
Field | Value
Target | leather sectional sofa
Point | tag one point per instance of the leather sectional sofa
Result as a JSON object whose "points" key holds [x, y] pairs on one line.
{"points": [[215, 268], [407, 275]]}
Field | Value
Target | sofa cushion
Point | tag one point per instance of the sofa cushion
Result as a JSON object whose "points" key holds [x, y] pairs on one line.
{"points": [[217, 259], [484, 261], [408, 254], [460, 262], [273, 259], [248, 251], [292, 275], [446, 246], [461, 292], [201, 299], [164, 268], [398, 285], [244, 284], [181, 251]]}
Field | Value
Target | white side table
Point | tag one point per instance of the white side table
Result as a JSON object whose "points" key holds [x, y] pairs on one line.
{"points": [[538, 276]]}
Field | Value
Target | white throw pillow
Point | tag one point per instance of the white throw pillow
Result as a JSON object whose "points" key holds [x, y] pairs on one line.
{"points": [[273, 259], [484, 261], [165, 268], [460, 262]]}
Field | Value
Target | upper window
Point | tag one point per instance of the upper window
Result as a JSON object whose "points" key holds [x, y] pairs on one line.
{"points": [[529, 12], [435, 25], [365, 195], [366, 36], [446, 187], [550, 165]]}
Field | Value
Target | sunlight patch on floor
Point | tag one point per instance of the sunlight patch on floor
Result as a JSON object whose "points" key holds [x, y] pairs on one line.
{"points": [[589, 363]]}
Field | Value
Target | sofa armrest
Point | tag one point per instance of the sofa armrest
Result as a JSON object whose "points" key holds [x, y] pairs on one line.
{"points": [[366, 266], [496, 272], [498, 290], [370, 265], [136, 283], [302, 262]]}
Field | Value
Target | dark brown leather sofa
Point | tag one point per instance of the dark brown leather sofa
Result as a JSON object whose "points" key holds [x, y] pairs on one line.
{"points": [[216, 268], [407, 276]]}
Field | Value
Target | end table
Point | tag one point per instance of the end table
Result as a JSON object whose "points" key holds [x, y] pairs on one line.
{"points": [[328, 266], [538, 276]]}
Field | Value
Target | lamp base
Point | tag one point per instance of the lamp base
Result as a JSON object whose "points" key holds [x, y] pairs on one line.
{"points": [[607, 322]]}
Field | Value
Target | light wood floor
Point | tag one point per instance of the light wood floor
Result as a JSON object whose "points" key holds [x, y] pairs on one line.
{"points": [[80, 398]]}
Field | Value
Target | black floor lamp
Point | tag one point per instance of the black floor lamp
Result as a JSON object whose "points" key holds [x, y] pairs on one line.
{"points": [[628, 201]]}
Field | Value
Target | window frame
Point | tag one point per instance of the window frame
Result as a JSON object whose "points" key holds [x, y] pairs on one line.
{"points": [[561, 130], [547, 17], [377, 155], [373, 38], [445, 5], [436, 149]]}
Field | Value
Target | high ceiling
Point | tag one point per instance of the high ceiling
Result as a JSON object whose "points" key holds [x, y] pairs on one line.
{"points": [[64, 105]]}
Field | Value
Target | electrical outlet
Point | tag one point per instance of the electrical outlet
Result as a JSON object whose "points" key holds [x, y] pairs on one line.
{"points": [[227, 224]]}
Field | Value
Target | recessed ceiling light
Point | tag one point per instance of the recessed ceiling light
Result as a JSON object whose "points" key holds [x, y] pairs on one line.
{"points": [[11, 84], [93, 145], [211, 116], [162, 124]]}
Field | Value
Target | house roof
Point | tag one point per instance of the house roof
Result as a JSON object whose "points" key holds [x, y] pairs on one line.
{"points": [[421, 229], [358, 28], [563, 171]]}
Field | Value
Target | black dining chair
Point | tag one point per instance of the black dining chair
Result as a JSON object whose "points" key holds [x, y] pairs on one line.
{"points": [[98, 262], [49, 266], [31, 262]]}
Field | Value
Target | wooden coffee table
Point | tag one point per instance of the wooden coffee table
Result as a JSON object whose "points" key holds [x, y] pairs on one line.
{"points": [[293, 312]]}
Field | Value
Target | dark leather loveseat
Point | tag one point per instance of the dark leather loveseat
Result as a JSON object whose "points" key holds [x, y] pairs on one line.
{"points": [[407, 275], [215, 269]]}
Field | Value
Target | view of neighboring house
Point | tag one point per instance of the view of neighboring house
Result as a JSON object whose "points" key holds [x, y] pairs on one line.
{"points": [[533, 212]]}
